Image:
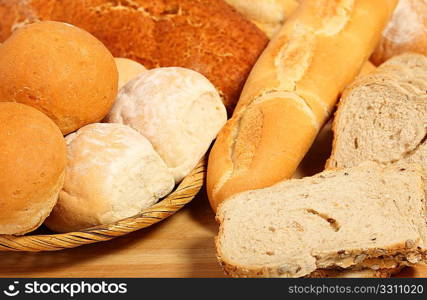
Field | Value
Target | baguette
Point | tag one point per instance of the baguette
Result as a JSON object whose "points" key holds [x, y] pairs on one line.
{"points": [[292, 91], [207, 36]]}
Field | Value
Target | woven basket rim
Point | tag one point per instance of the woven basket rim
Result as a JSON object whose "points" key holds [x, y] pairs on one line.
{"points": [[178, 198]]}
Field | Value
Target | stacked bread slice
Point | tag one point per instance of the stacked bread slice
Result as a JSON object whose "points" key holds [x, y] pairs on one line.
{"points": [[365, 217], [382, 117]]}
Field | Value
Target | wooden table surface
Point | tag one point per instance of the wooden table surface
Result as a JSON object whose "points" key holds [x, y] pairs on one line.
{"points": [[180, 246]]}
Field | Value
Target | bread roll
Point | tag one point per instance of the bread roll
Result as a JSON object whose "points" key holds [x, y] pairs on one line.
{"points": [[128, 70], [61, 70], [178, 110], [207, 36], [292, 91], [268, 15], [32, 166], [112, 173], [406, 32]]}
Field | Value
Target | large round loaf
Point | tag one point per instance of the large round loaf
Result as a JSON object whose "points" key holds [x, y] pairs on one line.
{"points": [[207, 36], [32, 167]]}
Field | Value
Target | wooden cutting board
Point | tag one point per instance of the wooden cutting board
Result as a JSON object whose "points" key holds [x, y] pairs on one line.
{"points": [[181, 246]]}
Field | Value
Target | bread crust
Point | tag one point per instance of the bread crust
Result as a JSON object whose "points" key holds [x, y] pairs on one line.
{"points": [[128, 70], [32, 160], [61, 70], [406, 31], [268, 15], [113, 173], [356, 272], [207, 36], [291, 92], [368, 262], [383, 75]]}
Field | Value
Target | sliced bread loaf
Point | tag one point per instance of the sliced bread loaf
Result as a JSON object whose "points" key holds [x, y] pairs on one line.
{"points": [[382, 117], [359, 219]]}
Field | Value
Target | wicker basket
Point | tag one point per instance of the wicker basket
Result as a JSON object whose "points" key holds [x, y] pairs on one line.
{"points": [[183, 194]]}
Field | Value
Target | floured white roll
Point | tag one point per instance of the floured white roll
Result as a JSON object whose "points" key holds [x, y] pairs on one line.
{"points": [[178, 110], [113, 173]]}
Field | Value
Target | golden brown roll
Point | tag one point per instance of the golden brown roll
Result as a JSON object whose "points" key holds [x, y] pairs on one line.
{"points": [[32, 165], [61, 70]]}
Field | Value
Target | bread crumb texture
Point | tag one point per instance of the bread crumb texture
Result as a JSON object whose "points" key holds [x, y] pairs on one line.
{"points": [[364, 218]]}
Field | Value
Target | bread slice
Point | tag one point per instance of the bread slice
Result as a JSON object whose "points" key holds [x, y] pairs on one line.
{"points": [[382, 117], [358, 219]]}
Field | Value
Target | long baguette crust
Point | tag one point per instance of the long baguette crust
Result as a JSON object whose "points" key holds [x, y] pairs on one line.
{"points": [[207, 36], [292, 91]]}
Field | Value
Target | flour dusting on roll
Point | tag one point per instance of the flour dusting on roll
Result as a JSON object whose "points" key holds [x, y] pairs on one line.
{"points": [[112, 173], [178, 110]]}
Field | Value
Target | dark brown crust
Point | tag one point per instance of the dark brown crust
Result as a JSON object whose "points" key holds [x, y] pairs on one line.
{"points": [[208, 36]]}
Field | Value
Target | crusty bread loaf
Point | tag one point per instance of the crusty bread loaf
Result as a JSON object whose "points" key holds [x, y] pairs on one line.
{"points": [[61, 70], [112, 173], [178, 110], [32, 167], [208, 36], [363, 273], [128, 70], [406, 32], [291, 92], [268, 15], [382, 116], [334, 221]]}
